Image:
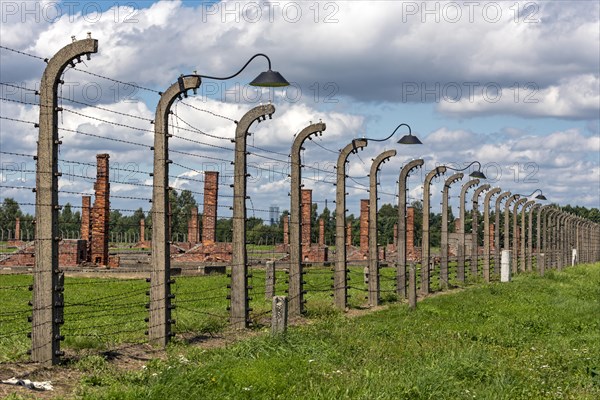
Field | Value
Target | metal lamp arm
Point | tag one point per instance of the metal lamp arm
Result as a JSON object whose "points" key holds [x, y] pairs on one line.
{"points": [[392, 134], [241, 69], [462, 169]]}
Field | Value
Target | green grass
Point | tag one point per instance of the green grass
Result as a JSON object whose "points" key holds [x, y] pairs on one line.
{"points": [[534, 338], [101, 313]]}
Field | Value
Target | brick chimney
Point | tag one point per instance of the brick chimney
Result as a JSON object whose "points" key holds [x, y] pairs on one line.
{"points": [[349, 234], [286, 230], [101, 212], [209, 218], [86, 223], [364, 226], [321, 232], [410, 231], [193, 233], [306, 212], [142, 230], [17, 229]]}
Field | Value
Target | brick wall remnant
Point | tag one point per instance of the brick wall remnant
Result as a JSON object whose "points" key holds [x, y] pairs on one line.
{"points": [[209, 217], [364, 226], [101, 212]]}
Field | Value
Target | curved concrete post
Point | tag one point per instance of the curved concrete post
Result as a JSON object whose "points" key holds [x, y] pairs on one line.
{"points": [[474, 259], [560, 243], [552, 235], [486, 232], [240, 309], [460, 267], [540, 235], [159, 326], [425, 242], [47, 292], [497, 238], [295, 288], [515, 239], [522, 255], [444, 239], [373, 253], [529, 251], [401, 245], [507, 204], [373, 266], [340, 290]]}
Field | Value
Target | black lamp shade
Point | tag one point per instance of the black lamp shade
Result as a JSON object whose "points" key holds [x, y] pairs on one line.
{"points": [[477, 174], [409, 139], [541, 197], [269, 79]]}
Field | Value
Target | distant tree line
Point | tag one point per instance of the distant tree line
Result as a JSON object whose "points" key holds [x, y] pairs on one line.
{"points": [[258, 231]]}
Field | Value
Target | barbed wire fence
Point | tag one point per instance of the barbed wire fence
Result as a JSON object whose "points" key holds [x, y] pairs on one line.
{"points": [[106, 311]]}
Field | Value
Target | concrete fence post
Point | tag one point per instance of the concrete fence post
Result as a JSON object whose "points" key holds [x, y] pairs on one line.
{"points": [[373, 283], [269, 280], [541, 262], [444, 234], [461, 251], [295, 287], [159, 323], [45, 335], [279, 315], [487, 241], [401, 245], [505, 267], [425, 253], [240, 308], [340, 289]]}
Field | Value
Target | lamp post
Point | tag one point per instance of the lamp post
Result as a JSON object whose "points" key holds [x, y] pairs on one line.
{"points": [[474, 228], [507, 204], [373, 253], [486, 232], [159, 330], [373, 231], [340, 289], [516, 235], [515, 256], [444, 239], [425, 242], [497, 238], [541, 235], [47, 285], [460, 265], [522, 256], [477, 175], [295, 291], [529, 256], [401, 245]]}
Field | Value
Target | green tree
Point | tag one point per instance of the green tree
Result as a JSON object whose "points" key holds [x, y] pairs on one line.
{"points": [[69, 223], [386, 219], [9, 211], [329, 222]]}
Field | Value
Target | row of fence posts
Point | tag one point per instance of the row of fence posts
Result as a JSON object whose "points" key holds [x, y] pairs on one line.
{"points": [[48, 287]]}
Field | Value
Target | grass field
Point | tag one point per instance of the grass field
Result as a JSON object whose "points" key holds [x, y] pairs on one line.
{"points": [[101, 313], [533, 338]]}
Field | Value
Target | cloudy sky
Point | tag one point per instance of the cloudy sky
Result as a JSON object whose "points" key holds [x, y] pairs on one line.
{"points": [[514, 85]]}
